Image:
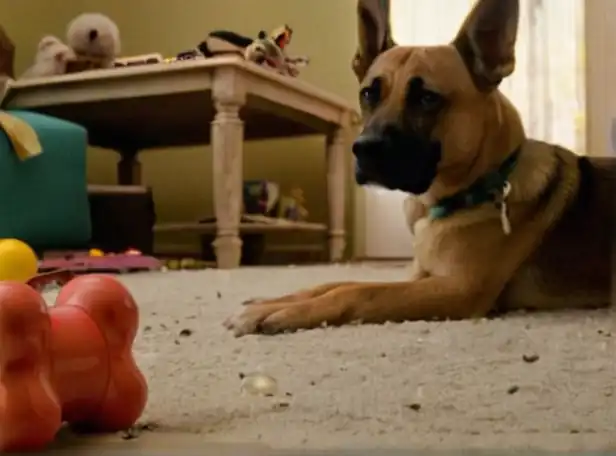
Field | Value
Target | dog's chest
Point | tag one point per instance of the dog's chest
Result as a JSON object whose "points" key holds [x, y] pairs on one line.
{"points": [[436, 247], [461, 244]]}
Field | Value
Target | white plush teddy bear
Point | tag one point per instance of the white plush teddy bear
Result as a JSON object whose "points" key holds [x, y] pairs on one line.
{"points": [[94, 36]]}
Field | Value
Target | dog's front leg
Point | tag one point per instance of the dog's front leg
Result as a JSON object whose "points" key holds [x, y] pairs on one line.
{"points": [[425, 299], [301, 295], [415, 273]]}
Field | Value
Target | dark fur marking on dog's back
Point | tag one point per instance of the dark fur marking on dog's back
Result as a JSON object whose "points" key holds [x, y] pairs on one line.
{"points": [[561, 255], [574, 261]]}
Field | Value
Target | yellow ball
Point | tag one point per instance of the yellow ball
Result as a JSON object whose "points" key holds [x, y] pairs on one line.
{"points": [[18, 261]]}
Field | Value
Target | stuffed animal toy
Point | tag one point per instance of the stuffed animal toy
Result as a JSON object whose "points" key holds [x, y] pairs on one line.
{"points": [[92, 42], [95, 39], [270, 50], [293, 206], [266, 49], [52, 58], [222, 42], [300, 203]]}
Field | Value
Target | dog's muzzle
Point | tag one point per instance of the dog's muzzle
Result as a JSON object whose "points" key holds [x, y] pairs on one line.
{"points": [[395, 160], [365, 146]]}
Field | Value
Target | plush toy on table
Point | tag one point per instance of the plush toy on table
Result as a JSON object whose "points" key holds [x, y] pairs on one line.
{"points": [[92, 42], [267, 49], [270, 50], [95, 39], [52, 57]]}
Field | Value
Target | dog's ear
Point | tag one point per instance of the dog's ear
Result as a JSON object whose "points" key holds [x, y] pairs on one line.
{"points": [[487, 39], [374, 34]]}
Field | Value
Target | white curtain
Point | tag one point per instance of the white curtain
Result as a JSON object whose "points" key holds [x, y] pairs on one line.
{"points": [[548, 83]]}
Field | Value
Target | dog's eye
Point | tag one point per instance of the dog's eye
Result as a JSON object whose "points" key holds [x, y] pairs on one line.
{"points": [[420, 97], [370, 96], [430, 100]]}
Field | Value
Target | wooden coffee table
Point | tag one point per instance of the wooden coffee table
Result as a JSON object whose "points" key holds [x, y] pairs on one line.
{"points": [[223, 101]]}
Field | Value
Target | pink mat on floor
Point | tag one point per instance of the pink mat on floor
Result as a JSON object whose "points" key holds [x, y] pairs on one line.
{"points": [[83, 263]]}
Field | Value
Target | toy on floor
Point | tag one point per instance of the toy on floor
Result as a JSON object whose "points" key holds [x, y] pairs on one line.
{"points": [[97, 261], [18, 262], [92, 42], [52, 279], [72, 362]]}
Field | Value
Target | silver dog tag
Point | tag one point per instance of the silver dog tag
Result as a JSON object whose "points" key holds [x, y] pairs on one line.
{"points": [[504, 210]]}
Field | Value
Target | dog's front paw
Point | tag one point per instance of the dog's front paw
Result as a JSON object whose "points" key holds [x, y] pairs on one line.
{"points": [[245, 322], [269, 319], [251, 301]]}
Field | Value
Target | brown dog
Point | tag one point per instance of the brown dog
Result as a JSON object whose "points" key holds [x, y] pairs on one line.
{"points": [[500, 221]]}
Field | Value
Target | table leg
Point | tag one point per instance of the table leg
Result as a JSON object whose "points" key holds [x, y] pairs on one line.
{"points": [[336, 175], [227, 143], [129, 167]]}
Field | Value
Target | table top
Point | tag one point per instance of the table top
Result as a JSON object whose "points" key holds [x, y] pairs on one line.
{"points": [[171, 104]]}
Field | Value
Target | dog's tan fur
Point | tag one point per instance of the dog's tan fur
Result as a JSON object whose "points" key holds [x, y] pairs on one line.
{"points": [[560, 252]]}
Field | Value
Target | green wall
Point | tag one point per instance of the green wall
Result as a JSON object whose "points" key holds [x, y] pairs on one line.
{"points": [[169, 27]]}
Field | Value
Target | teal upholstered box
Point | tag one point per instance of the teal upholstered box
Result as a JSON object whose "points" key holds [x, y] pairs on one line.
{"points": [[43, 200]]}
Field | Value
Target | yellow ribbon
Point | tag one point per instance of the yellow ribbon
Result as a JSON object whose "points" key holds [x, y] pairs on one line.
{"points": [[21, 135]]}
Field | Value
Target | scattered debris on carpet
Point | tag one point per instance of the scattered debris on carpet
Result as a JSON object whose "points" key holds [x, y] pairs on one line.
{"points": [[530, 358], [135, 431]]}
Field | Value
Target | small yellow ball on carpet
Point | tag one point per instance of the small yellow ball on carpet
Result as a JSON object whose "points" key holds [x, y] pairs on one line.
{"points": [[18, 262]]}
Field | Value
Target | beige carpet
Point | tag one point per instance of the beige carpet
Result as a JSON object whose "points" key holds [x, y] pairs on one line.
{"points": [[412, 385]]}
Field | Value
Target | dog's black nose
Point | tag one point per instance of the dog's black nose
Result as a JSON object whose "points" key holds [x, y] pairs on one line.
{"points": [[93, 34], [367, 144]]}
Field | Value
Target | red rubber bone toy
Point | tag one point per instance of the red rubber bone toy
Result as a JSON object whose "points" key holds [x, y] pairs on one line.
{"points": [[72, 363]]}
